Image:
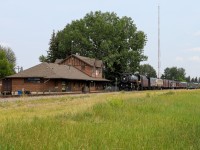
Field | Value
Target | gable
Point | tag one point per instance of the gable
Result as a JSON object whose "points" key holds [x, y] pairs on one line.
{"points": [[81, 60], [90, 61], [73, 61]]}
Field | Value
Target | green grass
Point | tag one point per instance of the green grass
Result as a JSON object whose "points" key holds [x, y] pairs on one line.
{"points": [[144, 120]]}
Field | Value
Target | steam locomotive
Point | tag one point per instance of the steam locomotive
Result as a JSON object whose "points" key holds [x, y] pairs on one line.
{"points": [[129, 82]]}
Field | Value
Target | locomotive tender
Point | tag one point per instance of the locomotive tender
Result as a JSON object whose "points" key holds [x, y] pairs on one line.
{"points": [[129, 82]]}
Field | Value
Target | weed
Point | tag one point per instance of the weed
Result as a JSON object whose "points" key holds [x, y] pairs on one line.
{"points": [[4, 104], [148, 95], [169, 93]]}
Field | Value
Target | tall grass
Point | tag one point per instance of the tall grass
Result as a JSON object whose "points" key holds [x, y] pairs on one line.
{"points": [[144, 120]]}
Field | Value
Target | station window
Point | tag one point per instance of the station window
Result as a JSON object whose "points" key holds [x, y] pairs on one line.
{"points": [[32, 80], [92, 84]]}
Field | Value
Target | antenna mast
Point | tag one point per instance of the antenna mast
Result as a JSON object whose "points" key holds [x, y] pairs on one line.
{"points": [[158, 41]]}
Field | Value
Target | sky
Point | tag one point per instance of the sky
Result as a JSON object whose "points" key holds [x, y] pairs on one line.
{"points": [[26, 27]]}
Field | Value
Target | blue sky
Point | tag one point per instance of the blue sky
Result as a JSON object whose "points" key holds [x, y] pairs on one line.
{"points": [[26, 27]]}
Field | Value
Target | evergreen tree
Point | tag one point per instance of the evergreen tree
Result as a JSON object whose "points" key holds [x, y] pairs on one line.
{"points": [[52, 53], [42, 58], [188, 79]]}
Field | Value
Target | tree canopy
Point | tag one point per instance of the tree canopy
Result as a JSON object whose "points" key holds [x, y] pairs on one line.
{"points": [[103, 36], [42, 58], [147, 70], [10, 55], [7, 61], [174, 73], [6, 68], [188, 79]]}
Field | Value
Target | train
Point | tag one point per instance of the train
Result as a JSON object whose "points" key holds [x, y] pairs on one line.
{"points": [[130, 82]]}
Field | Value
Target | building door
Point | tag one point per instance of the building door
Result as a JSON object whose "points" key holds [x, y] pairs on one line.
{"points": [[88, 86], [68, 86], [7, 86]]}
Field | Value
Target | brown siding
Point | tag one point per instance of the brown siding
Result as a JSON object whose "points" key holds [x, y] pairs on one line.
{"points": [[96, 86], [97, 72], [99, 86], [76, 86], [92, 86], [80, 65], [46, 86], [88, 70], [18, 84], [55, 86], [84, 67], [51, 86]]}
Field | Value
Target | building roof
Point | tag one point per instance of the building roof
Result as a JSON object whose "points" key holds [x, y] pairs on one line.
{"points": [[90, 61], [57, 61], [55, 71]]}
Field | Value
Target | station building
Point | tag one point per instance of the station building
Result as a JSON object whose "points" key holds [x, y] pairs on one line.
{"points": [[73, 74]]}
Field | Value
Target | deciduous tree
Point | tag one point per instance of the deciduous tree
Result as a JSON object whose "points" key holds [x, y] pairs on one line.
{"points": [[147, 70], [10, 56], [6, 68], [103, 36], [174, 73]]}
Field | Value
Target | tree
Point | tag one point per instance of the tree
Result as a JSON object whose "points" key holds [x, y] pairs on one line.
{"points": [[53, 53], [188, 79], [6, 68], [147, 70], [10, 56], [174, 73], [103, 36], [42, 58]]}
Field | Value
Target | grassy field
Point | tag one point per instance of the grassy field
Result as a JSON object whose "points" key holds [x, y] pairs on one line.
{"points": [[134, 120]]}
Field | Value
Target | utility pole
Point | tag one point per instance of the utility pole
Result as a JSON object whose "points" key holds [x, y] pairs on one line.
{"points": [[19, 69], [158, 41]]}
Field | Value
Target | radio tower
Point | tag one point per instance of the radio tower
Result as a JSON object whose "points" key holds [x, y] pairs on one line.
{"points": [[158, 41]]}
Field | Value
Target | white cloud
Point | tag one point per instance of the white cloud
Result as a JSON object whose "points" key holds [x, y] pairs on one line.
{"points": [[4, 44], [196, 49], [195, 58], [179, 58], [197, 33]]}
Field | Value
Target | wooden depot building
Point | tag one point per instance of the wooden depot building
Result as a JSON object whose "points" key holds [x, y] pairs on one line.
{"points": [[73, 74]]}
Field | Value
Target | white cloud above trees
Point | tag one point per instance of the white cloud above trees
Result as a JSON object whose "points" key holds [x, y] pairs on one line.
{"points": [[194, 58]]}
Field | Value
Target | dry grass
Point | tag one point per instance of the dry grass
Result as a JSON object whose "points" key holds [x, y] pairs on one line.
{"points": [[122, 120], [28, 107]]}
